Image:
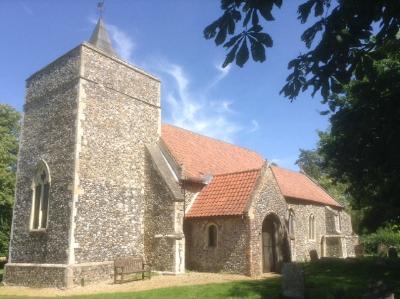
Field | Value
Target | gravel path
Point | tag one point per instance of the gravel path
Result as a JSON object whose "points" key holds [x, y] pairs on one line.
{"points": [[191, 278]]}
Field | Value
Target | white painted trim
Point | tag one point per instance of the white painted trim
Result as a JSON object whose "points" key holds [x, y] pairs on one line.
{"points": [[170, 167], [77, 149]]}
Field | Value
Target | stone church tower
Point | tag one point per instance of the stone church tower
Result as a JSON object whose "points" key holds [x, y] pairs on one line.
{"points": [[88, 118]]}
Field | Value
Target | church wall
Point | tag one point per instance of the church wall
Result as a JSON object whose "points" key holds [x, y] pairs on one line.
{"points": [[324, 225], [232, 251], [120, 115], [47, 133], [302, 244], [267, 200], [162, 224]]}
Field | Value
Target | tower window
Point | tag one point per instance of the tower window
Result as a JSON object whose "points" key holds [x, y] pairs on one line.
{"points": [[212, 235], [40, 197]]}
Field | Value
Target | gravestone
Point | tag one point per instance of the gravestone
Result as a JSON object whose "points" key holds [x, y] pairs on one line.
{"points": [[392, 252], [292, 281], [313, 255], [383, 250]]}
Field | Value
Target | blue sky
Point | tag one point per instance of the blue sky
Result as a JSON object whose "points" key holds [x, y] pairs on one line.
{"points": [[164, 37]]}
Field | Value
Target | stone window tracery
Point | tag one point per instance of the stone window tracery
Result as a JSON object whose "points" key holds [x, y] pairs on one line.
{"points": [[40, 197], [337, 222]]}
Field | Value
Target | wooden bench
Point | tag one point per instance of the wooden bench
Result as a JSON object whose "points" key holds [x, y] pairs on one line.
{"points": [[127, 266]]}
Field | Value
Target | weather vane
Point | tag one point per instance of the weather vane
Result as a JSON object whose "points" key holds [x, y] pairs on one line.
{"points": [[100, 8]]}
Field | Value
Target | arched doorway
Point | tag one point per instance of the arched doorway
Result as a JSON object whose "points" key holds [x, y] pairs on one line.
{"points": [[273, 244]]}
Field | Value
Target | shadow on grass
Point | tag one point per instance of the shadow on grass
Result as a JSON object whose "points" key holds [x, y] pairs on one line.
{"points": [[266, 288], [350, 278]]}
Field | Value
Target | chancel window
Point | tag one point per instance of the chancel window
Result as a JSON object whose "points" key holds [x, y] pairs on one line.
{"points": [[311, 227], [337, 222], [212, 235], [40, 197]]}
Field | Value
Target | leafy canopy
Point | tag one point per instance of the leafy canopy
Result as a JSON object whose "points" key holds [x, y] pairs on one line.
{"points": [[340, 39], [362, 146], [9, 131]]}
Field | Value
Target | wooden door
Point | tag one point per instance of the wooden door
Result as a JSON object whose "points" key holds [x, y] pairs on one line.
{"points": [[269, 252]]}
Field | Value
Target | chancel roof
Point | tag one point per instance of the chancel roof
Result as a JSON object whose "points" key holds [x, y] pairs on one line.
{"points": [[233, 172], [200, 156]]}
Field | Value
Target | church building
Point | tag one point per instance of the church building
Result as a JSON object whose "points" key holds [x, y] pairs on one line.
{"points": [[100, 176]]}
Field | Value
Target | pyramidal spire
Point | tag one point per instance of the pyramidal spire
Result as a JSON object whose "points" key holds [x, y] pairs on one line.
{"points": [[101, 39]]}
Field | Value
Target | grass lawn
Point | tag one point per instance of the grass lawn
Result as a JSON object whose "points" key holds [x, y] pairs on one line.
{"points": [[256, 289], [350, 278], [333, 279]]}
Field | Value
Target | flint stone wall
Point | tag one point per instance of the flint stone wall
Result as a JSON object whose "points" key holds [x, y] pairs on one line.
{"points": [[302, 244], [35, 276], [267, 200], [232, 251], [48, 133], [91, 273], [162, 221], [119, 115], [324, 225]]}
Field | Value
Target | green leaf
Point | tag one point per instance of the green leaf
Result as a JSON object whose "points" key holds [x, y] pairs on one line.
{"points": [[231, 55], [210, 31], [257, 50], [263, 38], [243, 54], [254, 18], [247, 18], [233, 40], [221, 36], [266, 13]]}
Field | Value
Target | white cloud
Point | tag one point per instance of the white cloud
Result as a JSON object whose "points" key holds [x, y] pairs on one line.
{"points": [[222, 73], [254, 126], [124, 45], [194, 111]]}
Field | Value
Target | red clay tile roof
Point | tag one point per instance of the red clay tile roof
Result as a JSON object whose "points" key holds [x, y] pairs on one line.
{"points": [[226, 195], [296, 185], [201, 155]]}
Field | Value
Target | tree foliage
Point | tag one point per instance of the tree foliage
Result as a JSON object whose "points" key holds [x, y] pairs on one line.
{"points": [[362, 146], [9, 132], [312, 162], [343, 34]]}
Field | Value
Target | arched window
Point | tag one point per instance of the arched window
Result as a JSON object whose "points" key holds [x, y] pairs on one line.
{"points": [[291, 223], [212, 235], [311, 227], [40, 197]]}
